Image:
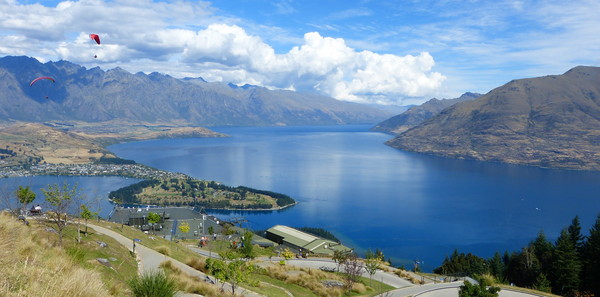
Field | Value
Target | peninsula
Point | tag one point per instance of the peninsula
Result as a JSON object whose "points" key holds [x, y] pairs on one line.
{"points": [[199, 193]]}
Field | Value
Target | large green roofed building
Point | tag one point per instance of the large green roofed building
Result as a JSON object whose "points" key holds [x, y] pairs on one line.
{"points": [[299, 240]]}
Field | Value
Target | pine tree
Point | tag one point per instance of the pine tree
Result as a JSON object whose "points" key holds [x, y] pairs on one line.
{"points": [[543, 250], [591, 260], [497, 266], [542, 284], [575, 234], [524, 267], [567, 266]]}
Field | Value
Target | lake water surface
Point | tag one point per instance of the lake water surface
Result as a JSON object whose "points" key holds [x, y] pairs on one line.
{"points": [[369, 195], [92, 189], [410, 206]]}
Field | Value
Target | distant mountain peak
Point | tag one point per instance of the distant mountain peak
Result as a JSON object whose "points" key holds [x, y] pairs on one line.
{"points": [[194, 78], [549, 121], [245, 86], [95, 95], [419, 114]]}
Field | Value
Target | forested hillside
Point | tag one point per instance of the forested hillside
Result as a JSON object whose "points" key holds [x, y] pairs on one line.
{"points": [[570, 266]]}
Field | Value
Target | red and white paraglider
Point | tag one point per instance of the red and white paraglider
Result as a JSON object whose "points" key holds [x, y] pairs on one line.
{"points": [[96, 38]]}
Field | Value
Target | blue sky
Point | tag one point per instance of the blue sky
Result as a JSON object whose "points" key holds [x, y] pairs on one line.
{"points": [[389, 52]]}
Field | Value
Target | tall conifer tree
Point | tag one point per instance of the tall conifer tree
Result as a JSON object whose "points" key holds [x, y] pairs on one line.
{"points": [[566, 264], [543, 250], [575, 234], [591, 257]]}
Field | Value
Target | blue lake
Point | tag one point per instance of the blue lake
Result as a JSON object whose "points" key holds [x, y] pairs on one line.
{"points": [[410, 206], [92, 189]]}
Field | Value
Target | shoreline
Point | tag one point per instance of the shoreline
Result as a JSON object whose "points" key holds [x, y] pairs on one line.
{"points": [[188, 206], [138, 171]]}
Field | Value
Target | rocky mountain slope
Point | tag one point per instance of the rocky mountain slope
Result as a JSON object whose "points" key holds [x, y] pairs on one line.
{"points": [[551, 121], [419, 114], [95, 95]]}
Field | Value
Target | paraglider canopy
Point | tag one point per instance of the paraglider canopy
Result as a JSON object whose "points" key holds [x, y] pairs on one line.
{"points": [[95, 37], [40, 78]]}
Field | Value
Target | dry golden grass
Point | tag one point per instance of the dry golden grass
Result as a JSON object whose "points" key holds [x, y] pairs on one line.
{"points": [[163, 249], [307, 278], [359, 288], [197, 263], [191, 284], [31, 266], [403, 274]]}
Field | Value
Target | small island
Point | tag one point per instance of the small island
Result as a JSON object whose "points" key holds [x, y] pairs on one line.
{"points": [[199, 193]]}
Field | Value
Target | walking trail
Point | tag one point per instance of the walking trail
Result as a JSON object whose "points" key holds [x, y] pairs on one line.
{"points": [[149, 260]]}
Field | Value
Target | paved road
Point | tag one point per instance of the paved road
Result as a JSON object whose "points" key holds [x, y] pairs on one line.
{"points": [[445, 290], [150, 259], [416, 290], [384, 277]]}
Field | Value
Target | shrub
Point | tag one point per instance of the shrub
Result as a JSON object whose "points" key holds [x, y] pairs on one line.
{"points": [[152, 284], [488, 278], [359, 288], [170, 267], [163, 249], [198, 264]]}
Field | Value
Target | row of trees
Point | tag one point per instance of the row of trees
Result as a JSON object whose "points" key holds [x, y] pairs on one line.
{"points": [[319, 232], [127, 194], [568, 266]]}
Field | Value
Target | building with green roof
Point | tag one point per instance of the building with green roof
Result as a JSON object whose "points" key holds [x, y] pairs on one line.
{"points": [[302, 241]]}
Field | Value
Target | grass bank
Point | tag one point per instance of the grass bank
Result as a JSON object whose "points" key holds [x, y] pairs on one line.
{"points": [[32, 264]]}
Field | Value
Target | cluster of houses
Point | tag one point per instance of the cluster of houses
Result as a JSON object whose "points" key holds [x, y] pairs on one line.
{"points": [[204, 226]]}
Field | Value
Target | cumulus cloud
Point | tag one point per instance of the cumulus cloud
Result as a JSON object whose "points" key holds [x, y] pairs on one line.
{"points": [[184, 38], [322, 63]]}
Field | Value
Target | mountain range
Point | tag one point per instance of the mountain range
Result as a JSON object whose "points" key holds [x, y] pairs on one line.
{"points": [[95, 95], [550, 121], [419, 114]]}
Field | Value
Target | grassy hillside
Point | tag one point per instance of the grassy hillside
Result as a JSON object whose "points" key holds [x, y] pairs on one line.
{"points": [[31, 264], [79, 143], [30, 143]]}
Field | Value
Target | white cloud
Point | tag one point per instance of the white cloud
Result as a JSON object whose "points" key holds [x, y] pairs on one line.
{"points": [[321, 63], [182, 38]]}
